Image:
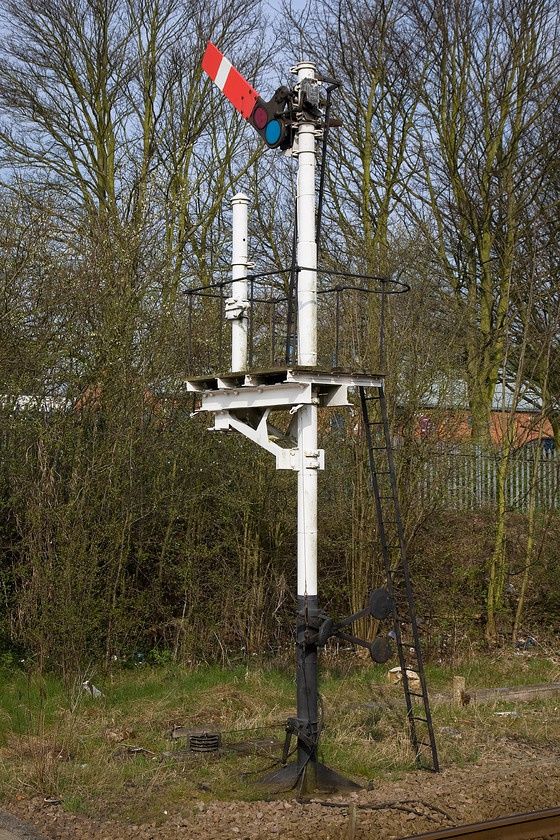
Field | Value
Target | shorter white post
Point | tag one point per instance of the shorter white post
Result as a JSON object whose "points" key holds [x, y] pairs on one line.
{"points": [[237, 305]]}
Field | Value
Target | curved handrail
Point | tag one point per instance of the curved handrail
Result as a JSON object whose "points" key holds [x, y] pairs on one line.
{"points": [[257, 296], [401, 286]]}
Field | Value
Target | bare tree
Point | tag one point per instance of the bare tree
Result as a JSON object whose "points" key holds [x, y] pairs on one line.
{"points": [[492, 75], [106, 101]]}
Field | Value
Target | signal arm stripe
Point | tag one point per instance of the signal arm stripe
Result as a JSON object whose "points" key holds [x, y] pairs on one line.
{"points": [[223, 72]]}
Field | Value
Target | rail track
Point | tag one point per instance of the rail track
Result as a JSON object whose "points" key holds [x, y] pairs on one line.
{"points": [[532, 826]]}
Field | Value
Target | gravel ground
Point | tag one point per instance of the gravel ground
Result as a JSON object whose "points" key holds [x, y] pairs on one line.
{"points": [[519, 779]]}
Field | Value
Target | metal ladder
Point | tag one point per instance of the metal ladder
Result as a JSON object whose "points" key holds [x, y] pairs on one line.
{"points": [[391, 534]]}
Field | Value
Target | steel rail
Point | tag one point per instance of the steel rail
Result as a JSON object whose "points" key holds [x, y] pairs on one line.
{"points": [[536, 824]]}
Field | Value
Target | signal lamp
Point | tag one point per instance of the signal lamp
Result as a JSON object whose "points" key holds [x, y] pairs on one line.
{"points": [[271, 121]]}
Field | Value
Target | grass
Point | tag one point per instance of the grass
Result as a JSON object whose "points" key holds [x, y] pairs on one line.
{"points": [[62, 742]]}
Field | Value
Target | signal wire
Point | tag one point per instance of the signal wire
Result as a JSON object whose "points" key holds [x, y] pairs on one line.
{"points": [[324, 161], [292, 288]]}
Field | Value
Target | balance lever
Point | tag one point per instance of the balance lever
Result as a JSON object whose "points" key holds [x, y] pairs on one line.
{"points": [[380, 649], [297, 727], [319, 627], [380, 606], [351, 619]]}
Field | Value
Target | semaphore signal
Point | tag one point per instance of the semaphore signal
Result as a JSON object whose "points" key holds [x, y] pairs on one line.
{"points": [[243, 400], [272, 120]]}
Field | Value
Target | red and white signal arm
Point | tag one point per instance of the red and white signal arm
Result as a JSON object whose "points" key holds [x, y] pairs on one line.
{"points": [[267, 118], [229, 80]]}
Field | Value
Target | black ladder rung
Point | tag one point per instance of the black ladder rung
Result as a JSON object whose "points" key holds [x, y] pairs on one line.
{"points": [[415, 717], [415, 694]]}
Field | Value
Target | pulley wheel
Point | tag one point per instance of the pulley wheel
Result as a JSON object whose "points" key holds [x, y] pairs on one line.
{"points": [[380, 604]]}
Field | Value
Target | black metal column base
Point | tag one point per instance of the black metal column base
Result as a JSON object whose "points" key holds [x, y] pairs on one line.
{"points": [[314, 777]]}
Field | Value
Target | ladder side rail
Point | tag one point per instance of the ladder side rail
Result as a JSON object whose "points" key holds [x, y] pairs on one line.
{"points": [[406, 575], [389, 573]]}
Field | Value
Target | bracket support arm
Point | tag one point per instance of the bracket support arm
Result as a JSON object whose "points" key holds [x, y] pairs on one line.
{"points": [[287, 458]]}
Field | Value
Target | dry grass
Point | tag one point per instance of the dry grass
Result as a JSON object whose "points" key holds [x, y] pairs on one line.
{"points": [[113, 755]]}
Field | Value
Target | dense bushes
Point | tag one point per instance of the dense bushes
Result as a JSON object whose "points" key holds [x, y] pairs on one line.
{"points": [[136, 532]]}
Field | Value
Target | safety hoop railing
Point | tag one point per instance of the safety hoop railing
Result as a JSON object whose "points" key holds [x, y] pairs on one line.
{"points": [[344, 322]]}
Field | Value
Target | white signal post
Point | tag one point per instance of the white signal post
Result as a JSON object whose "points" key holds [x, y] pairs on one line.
{"points": [[309, 456], [243, 399], [237, 304], [307, 349]]}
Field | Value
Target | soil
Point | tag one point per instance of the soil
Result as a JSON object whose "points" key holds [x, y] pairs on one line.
{"points": [[521, 778]]}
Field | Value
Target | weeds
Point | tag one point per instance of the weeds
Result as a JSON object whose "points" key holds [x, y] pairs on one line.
{"points": [[113, 754]]}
